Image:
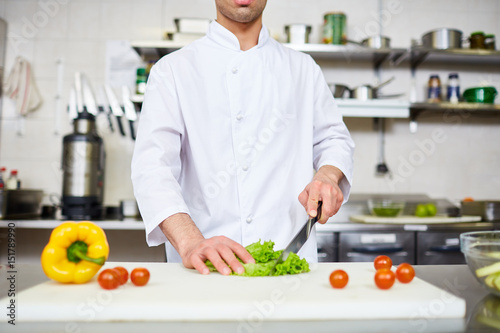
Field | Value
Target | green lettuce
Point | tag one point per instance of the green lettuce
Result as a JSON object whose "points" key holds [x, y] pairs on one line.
{"points": [[265, 258]]}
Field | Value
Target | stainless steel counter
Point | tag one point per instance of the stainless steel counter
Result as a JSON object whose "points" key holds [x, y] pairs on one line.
{"points": [[456, 279]]}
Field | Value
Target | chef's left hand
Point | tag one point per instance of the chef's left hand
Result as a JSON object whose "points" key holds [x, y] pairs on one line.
{"points": [[323, 187]]}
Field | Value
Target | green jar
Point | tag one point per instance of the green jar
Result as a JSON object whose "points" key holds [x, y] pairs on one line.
{"points": [[334, 28]]}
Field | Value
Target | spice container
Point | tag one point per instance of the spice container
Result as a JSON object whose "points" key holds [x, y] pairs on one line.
{"points": [[477, 40], [434, 89], [140, 83], [489, 42], [453, 91]]}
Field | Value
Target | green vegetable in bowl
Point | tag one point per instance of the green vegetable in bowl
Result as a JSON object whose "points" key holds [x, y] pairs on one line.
{"points": [[265, 258], [386, 211]]}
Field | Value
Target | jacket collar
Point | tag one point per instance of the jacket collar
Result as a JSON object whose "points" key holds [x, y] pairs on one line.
{"points": [[227, 39]]}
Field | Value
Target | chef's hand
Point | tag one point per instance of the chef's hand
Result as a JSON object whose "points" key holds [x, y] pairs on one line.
{"points": [[195, 249], [220, 250], [323, 187]]}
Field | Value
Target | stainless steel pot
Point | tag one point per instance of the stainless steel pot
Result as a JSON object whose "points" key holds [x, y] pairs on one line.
{"points": [[377, 42], [443, 38], [340, 90], [366, 91], [297, 33]]}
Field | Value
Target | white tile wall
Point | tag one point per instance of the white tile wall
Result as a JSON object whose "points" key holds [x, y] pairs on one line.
{"points": [[467, 163]]}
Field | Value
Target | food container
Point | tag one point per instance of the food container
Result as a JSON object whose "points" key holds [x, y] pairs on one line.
{"points": [[488, 210], [334, 28], [21, 204], [482, 254], [485, 95], [386, 207], [297, 33], [489, 42], [443, 38], [477, 40]]}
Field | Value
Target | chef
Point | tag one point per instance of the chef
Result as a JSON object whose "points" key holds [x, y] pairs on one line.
{"points": [[232, 128]]}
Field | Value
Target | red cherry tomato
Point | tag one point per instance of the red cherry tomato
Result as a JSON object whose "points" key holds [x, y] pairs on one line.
{"points": [[384, 278], [382, 262], [405, 273], [122, 274], [139, 276], [108, 279], [339, 279]]}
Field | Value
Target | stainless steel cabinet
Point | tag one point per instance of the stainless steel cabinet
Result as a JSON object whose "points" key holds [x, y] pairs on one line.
{"points": [[365, 246], [436, 248], [327, 247]]}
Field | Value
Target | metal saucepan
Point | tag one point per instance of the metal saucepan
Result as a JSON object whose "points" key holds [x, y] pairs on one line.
{"points": [[374, 42], [366, 91], [443, 38], [340, 90]]}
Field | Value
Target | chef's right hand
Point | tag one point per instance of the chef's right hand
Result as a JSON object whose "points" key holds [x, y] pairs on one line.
{"points": [[220, 250]]}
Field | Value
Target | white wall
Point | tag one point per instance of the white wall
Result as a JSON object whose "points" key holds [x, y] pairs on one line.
{"points": [[465, 162]]}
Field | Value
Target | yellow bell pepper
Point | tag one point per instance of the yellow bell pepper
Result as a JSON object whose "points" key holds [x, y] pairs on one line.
{"points": [[75, 252]]}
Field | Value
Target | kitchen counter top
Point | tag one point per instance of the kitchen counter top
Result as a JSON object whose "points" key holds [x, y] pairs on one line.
{"points": [[456, 279]]}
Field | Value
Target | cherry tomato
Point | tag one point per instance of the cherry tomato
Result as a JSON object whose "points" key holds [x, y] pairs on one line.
{"points": [[339, 279], [405, 273], [139, 276], [122, 274], [109, 279], [384, 278], [382, 262]]}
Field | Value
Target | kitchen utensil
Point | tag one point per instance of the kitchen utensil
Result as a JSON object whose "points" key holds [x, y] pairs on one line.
{"points": [[489, 210], [485, 95], [300, 238], [366, 91], [481, 250], [377, 42], [72, 104], [340, 90], [129, 110], [177, 294], [297, 33], [88, 96], [103, 101], [443, 38], [115, 107], [20, 203]]}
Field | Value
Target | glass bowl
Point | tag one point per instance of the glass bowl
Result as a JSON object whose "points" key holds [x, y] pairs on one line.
{"points": [[482, 254], [386, 207]]}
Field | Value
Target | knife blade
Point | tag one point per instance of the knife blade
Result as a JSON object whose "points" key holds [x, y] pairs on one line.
{"points": [[129, 110], [300, 238], [115, 107], [105, 107]]}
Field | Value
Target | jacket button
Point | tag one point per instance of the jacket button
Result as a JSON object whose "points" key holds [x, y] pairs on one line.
{"points": [[235, 70], [249, 220]]}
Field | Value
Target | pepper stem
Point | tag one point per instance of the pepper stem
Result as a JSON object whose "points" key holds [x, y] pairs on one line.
{"points": [[77, 252]]}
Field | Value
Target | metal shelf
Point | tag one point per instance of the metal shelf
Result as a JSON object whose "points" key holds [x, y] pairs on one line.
{"points": [[419, 55], [462, 108]]}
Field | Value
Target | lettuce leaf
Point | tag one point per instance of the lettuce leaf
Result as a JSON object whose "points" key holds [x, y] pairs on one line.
{"points": [[265, 258]]}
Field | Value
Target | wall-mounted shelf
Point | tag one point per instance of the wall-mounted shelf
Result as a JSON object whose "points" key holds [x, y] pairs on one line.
{"points": [[374, 108], [419, 55], [464, 109], [156, 49]]}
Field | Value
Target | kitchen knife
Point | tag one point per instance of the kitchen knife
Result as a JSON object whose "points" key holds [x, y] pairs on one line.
{"points": [[115, 107], [78, 91], [88, 96], [72, 105], [129, 110], [105, 107], [300, 238]]}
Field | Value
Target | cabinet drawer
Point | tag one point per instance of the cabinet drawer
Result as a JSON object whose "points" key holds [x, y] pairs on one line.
{"points": [[327, 247], [366, 246], [436, 248]]}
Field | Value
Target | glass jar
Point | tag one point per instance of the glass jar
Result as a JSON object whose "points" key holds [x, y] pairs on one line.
{"points": [[477, 40], [489, 42]]}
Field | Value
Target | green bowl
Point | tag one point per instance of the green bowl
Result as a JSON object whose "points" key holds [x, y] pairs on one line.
{"points": [[485, 95]]}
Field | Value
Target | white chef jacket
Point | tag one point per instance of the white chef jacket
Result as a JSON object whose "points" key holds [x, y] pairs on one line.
{"points": [[231, 138]]}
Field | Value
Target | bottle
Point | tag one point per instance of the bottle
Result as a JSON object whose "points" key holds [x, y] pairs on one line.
{"points": [[453, 91], [140, 83], [2, 176], [12, 182], [434, 89], [1, 199]]}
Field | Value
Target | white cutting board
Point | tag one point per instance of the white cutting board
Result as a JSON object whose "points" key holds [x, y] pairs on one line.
{"points": [[175, 293], [413, 219]]}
